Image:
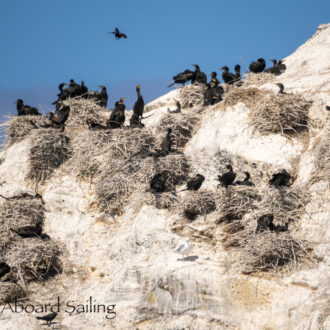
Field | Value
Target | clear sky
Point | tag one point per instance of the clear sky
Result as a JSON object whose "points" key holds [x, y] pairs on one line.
{"points": [[44, 43]]}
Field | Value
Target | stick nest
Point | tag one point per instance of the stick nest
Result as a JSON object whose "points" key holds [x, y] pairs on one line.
{"points": [[258, 79], [33, 259], [198, 203], [192, 95], [82, 109], [50, 148], [280, 113], [120, 178], [18, 213], [20, 127], [9, 291], [236, 201], [267, 251], [249, 96]]}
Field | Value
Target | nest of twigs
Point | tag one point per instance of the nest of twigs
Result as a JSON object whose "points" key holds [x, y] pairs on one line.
{"points": [[280, 113], [120, 178], [286, 204], [236, 201], [165, 200], [182, 127], [9, 291], [82, 109], [50, 148], [16, 213], [267, 251], [33, 259], [21, 126], [197, 203], [249, 96], [192, 95], [258, 79]]}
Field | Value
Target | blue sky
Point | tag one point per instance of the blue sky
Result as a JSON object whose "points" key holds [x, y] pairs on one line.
{"points": [[44, 43]]}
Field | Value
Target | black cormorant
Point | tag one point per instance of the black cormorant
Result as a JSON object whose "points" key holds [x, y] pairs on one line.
{"points": [[195, 183], [178, 107], [60, 117], [83, 90], [157, 184], [246, 181], [135, 121], [118, 34], [4, 269], [103, 97], [199, 76], [265, 222], [281, 66], [117, 117], [237, 75], [214, 82], [281, 179], [138, 107], [227, 76], [281, 86], [257, 66], [93, 125], [183, 77], [228, 177], [28, 231], [23, 109], [73, 89]]}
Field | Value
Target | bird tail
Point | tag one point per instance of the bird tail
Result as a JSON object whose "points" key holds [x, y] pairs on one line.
{"points": [[170, 85], [15, 231]]}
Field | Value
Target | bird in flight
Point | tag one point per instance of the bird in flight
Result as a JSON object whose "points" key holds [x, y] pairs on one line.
{"points": [[118, 34]]}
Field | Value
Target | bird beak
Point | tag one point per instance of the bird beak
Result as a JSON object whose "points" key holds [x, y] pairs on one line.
{"points": [[122, 99], [138, 86], [65, 84]]}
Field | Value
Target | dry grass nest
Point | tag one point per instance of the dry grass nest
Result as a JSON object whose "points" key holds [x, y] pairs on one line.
{"points": [[286, 204], [50, 148], [266, 251], [33, 259], [192, 95], [197, 203], [280, 113], [19, 127], [17, 213], [9, 291], [82, 109], [249, 96], [182, 125], [236, 201], [120, 178], [258, 79]]}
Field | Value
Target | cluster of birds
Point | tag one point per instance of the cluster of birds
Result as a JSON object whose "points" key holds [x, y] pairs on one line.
{"points": [[214, 91]]}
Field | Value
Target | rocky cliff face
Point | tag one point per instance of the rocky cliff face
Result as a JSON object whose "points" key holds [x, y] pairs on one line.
{"points": [[129, 259]]}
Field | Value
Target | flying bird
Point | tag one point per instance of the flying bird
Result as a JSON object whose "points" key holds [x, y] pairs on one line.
{"points": [[118, 34]]}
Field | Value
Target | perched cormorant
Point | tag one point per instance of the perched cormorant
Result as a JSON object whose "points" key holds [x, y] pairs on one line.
{"points": [[199, 76], [73, 89], [281, 179], [265, 222], [214, 82], [83, 90], [157, 184], [138, 107], [135, 121], [4, 269], [24, 110], [183, 77], [103, 97], [227, 76], [195, 183], [246, 181], [237, 75], [258, 66], [178, 107], [118, 34], [93, 125], [48, 318], [117, 117], [227, 178], [28, 231], [61, 115], [281, 66], [166, 144], [281, 86]]}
